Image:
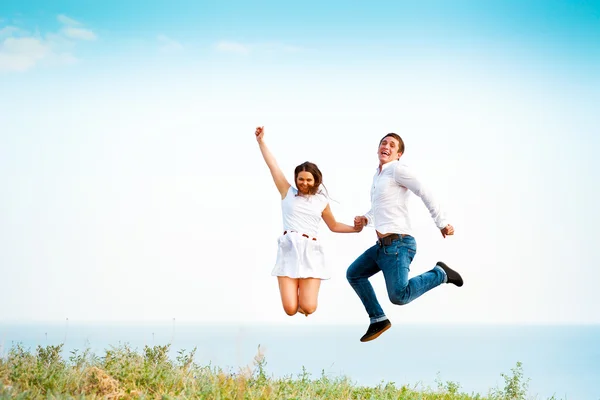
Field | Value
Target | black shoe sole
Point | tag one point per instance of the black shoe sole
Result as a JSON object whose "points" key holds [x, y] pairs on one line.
{"points": [[375, 335]]}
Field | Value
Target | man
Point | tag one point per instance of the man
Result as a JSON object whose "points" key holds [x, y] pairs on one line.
{"points": [[395, 247]]}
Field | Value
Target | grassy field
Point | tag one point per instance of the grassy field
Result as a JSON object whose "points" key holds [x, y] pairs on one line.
{"points": [[124, 373]]}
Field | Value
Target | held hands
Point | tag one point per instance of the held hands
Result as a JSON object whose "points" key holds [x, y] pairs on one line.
{"points": [[260, 133], [448, 230], [360, 222]]}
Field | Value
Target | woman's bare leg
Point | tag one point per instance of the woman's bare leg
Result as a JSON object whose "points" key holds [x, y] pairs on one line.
{"points": [[308, 294], [288, 287]]}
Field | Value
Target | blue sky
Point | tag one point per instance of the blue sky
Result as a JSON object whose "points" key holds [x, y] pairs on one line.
{"points": [[127, 153], [538, 30]]}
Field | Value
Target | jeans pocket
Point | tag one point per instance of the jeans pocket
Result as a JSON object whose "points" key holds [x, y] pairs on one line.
{"points": [[411, 254], [391, 250]]}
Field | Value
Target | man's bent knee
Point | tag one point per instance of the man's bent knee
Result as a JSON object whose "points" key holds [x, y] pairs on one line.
{"points": [[400, 297], [351, 275]]}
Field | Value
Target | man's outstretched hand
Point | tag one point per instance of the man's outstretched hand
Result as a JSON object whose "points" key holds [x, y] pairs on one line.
{"points": [[448, 230]]}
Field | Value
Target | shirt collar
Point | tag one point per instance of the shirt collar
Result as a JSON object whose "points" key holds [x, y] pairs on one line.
{"points": [[387, 165]]}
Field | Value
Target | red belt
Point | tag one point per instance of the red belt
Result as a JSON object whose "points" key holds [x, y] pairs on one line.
{"points": [[304, 234]]}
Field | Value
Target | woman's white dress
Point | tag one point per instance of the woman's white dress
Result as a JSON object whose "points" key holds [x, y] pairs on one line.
{"points": [[299, 256]]}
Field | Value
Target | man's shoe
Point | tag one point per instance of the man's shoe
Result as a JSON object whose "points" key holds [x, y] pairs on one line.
{"points": [[452, 275], [376, 329]]}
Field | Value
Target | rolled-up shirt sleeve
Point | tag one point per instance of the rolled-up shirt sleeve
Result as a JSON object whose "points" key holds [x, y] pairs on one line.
{"points": [[405, 177], [369, 216]]}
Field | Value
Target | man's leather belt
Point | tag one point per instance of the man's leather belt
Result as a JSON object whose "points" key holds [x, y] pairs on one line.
{"points": [[387, 240]]}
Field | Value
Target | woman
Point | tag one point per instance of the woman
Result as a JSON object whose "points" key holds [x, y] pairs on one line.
{"points": [[300, 265]]}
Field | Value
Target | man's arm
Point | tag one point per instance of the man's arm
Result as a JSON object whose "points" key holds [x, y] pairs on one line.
{"points": [[405, 177], [369, 217]]}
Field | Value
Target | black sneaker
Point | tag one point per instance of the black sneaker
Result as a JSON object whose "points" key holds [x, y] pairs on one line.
{"points": [[376, 329], [453, 276]]}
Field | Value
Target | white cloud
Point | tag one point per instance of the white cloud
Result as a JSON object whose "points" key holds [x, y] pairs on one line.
{"points": [[8, 31], [79, 33], [20, 54], [169, 45], [65, 58], [21, 50], [233, 47], [63, 19]]}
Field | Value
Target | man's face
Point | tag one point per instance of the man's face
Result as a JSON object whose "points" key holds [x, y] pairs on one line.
{"points": [[388, 150]]}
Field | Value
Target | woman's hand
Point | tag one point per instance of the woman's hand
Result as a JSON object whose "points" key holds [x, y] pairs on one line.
{"points": [[260, 133], [360, 222]]}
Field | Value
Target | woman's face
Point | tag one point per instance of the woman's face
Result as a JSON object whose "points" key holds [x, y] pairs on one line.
{"points": [[304, 182]]}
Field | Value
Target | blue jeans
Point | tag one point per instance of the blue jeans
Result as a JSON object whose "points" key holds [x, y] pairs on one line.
{"points": [[394, 260]]}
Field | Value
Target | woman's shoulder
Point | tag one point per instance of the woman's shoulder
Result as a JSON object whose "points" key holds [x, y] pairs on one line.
{"points": [[292, 191]]}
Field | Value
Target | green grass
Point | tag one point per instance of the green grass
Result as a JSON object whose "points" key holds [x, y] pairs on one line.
{"points": [[123, 373]]}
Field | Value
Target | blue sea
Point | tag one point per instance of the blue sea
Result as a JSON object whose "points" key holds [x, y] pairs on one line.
{"points": [[563, 361]]}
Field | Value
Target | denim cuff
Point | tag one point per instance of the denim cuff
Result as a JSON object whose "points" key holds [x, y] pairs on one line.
{"points": [[443, 273], [378, 319]]}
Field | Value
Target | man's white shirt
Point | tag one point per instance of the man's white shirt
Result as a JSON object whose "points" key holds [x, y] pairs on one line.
{"points": [[389, 194]]}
